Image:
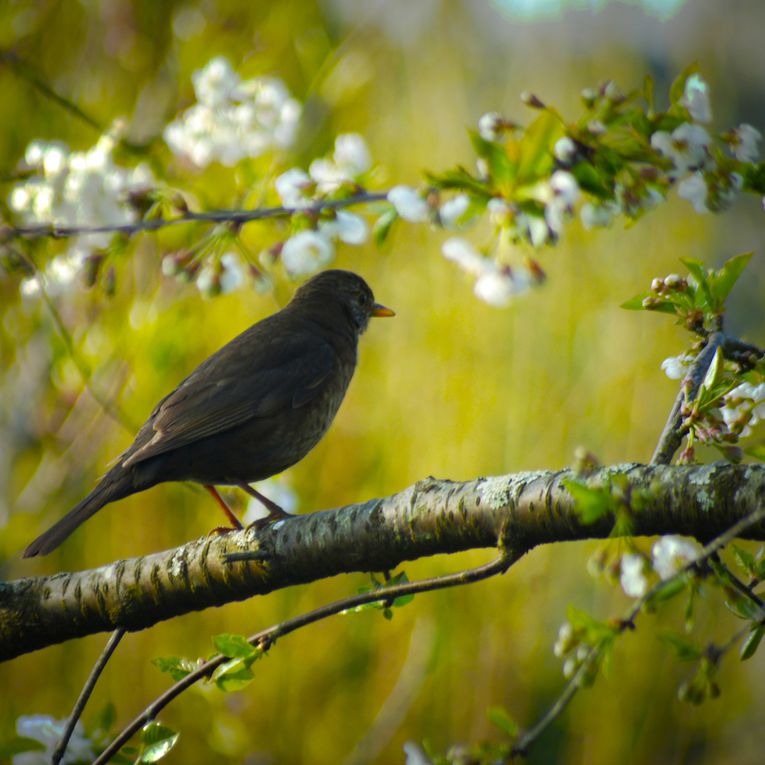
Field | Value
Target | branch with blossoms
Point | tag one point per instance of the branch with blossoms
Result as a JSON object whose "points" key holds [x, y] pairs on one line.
{"points": [[620, 157]]}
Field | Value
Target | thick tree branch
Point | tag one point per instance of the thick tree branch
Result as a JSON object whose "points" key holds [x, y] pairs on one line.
{"points": [[516, 512]]}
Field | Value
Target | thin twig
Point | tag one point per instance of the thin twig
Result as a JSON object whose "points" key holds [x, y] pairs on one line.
{"points": [[109, 408], [268, 636], [234, 217], [26, 72], [85, 694], [527, 739], [672, 435]]}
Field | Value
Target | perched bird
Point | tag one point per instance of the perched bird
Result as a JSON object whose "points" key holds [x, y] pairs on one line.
{"points": [[254, 408]]}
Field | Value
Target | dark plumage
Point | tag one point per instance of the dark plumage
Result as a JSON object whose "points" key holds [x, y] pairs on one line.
{"points": [[252, 409]]}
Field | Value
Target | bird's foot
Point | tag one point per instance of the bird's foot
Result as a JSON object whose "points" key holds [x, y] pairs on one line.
{"points": [[221, 530], [275, 514]]}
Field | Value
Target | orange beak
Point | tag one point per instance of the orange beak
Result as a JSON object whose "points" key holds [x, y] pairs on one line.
{"points": [[381, 311]]}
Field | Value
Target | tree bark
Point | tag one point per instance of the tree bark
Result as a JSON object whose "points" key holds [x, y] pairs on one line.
{"points": [[517, 512]]}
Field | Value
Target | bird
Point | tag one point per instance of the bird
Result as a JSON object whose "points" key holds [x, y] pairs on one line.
{"points": [[251, 410]]}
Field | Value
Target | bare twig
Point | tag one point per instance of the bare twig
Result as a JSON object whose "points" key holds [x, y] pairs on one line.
{"points": [[266, 638], [24, 70], [87, 690], [234, 217]]}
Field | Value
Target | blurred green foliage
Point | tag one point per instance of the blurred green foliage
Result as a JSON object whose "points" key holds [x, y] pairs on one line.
{"points": [[451, 387]]}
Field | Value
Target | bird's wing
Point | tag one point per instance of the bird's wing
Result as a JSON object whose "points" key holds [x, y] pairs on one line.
{"points": [[227, 390]]}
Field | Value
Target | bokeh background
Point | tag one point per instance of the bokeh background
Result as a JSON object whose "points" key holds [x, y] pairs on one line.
{"points": [[451, 387]]}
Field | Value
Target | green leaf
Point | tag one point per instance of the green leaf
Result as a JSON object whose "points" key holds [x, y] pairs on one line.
{"points": [[752, 643], [536, 148], [175, 666], [699, 273], [234, 675], [594, 631], [744, 558], [234, 646], [592, 504], [660, 306], [501, 168], [383, 225], [157, 740], [685, 648], [459, 179], [714, 371], [502, 720], [670, 590], [723, 281], [677, 89]]}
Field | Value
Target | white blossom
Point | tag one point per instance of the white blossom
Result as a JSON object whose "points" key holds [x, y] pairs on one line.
{"points": [[676, 367], [48, 732], [232, 118], [350, 160], [565, 150], [498, 286], [686, 146], [75, 189], [744, 407], [490, 126], [461, 252], [745, 143], [232, 272], [409, 204], [632, 577], [352, 155], [291, 186], [598, 215], [671, 553], [565, 641], [415, 755], [696, 99], [347, 227], [306, 252], [533, 228], [453, 209], [565, 187], [694, 189], [500, 211]]}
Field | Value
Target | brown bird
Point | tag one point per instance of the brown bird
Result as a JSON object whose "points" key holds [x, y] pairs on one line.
{"points": [[254, 408]]}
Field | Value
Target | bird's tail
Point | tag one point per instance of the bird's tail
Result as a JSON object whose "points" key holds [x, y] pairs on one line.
{"points": [[117, 483]]}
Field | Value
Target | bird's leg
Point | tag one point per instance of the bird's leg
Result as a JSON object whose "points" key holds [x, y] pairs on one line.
{"points": [[232, 519], [275, 513]]}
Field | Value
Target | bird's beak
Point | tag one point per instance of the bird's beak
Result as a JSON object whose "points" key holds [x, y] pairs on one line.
{"points": [[381, 311]]}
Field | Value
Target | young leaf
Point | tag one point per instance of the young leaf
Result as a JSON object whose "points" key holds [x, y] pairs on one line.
{"points": [[502, 720], [592, 504], [723, 281], [175, 666], [752, 643], [234, 675], [234, 646], [536, 159], [157, 740], [382, 226]]}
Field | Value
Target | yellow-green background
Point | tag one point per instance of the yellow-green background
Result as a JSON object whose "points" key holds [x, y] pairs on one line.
{"points": [[451, 387]]}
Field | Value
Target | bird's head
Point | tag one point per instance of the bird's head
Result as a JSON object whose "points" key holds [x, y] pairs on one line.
{"points": [[346, 291]]}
